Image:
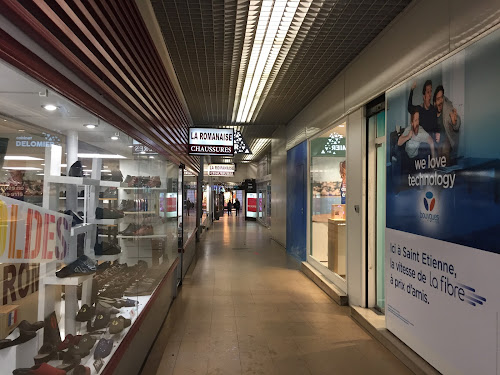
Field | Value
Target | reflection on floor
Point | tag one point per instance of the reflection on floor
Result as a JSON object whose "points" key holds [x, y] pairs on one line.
{"points": [[246, 309]]}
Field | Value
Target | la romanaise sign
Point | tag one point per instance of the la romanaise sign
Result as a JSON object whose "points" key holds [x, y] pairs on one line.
{"points": [[207, 141]]}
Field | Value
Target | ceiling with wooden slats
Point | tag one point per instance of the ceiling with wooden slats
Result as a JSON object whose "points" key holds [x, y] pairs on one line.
{"points": [[107, 44]]}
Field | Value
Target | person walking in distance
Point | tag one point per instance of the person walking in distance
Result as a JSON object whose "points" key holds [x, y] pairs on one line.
{"points": [[229, 208], [237, 206]]}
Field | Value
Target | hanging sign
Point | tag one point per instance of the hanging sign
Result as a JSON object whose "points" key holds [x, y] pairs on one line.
{"points": [[210, 141], [221, 169], [32, 233]]}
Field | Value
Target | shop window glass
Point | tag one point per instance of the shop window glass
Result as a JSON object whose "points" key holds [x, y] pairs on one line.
{"points": [[328, 200], [88, 217]]}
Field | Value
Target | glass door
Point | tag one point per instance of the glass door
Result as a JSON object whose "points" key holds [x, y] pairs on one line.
{"points": [[376, 205]]}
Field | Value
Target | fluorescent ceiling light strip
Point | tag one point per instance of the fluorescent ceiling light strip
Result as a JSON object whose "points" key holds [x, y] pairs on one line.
{"points": [[260, 34], [101, 156], [292, 30], [19, 158], [23, 168]]}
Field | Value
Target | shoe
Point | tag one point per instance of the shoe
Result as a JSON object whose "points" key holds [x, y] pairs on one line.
{"points": [[23, 337], [85, 313], [129, 231], [126, 205], [27, 326], [101, 321], [103, 348], [104, 308], [82, 266], [109, 193], [68, 341], [43, 369], [69, 361], [77, 219], [76, 169], [119, 324], [145, 230], [111, 249], [85, 345], [46, 353], [106, 213], [154, 182], [81, 370]]}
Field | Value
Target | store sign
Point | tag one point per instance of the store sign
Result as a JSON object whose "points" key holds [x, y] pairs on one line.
{"points": [[334, 145], [31, 233], [251, 205], [139, 148], [207, 141], [221, 169], [46, 140], [443, 212]]}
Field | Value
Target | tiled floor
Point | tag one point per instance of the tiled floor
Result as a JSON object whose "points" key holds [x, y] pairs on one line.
{"points": [[246, 309]]}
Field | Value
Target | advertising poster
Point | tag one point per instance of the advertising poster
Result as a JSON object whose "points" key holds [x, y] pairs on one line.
{"points": [[252, 205], [443, 211]]}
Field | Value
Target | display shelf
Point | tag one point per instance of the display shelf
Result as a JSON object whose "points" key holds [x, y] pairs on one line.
{"points": [[72, 180], [143, 188], [115, 184], [81, 228], [108, 199], [75, 280], [131, 313], [104, 221], [107, 258], [139, 212], [138, 237], [79, 198]]}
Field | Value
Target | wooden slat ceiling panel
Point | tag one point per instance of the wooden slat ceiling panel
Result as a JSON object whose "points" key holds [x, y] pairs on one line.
{"points": [[107, 45]]}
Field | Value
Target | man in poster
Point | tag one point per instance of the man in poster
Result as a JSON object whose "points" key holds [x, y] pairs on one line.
{"points": [[427, 112], [418, 143], [449, 124]]}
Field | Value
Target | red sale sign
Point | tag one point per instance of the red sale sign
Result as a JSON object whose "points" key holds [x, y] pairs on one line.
{"points": [[252, 204]]}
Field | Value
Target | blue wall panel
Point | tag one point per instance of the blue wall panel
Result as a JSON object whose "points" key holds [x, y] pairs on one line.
{"points": [[296, 203]]}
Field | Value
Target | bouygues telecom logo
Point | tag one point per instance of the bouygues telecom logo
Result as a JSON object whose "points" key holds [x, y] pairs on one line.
{"points": [[429, 201], [429, 206]]}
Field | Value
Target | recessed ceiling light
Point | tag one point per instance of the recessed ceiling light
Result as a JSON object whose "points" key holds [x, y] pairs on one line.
{"points": [[90, 126], [130, 146], [114, 138], [4, 119], [21, 130], [151, 157], [49, 107], [143, 152]]}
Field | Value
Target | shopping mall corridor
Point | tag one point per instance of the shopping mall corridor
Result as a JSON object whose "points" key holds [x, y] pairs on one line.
{"points": [[245, 308]]}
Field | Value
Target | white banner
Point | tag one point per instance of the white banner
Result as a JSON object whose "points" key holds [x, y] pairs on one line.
{"points": [[208, 141], [443, 299], [221, 169], [29, 233]]}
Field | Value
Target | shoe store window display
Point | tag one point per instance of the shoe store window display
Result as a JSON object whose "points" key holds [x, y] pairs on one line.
{"points": [[92, 235]]}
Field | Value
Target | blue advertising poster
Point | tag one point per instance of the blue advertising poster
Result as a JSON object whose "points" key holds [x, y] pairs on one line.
{"points": [[443, 211], [443, 172]]}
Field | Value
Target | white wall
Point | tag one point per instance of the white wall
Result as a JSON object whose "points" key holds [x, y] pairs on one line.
{"points": [[278, 186], [356, 177], [426, 31]]}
